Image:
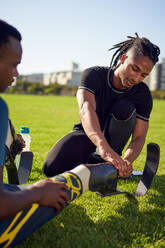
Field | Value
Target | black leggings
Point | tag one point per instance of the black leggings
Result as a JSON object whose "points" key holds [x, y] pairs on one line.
{"points": [[73, 149], [76, 148]]}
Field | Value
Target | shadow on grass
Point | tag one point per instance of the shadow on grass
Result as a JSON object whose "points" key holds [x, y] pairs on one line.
{"points": [[136, 223], [158, 184]]}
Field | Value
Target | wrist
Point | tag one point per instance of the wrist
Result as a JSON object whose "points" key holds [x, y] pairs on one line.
{"points": [[36, 193], [104, 146], [97, 138]]}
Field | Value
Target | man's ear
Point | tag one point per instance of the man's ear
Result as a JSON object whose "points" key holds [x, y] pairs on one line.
{"points": [[123, 58]]}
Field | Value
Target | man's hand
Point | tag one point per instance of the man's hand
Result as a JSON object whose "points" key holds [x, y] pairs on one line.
{"points": [[19, 136], [52, 193], [129, 169], [123, 166]]}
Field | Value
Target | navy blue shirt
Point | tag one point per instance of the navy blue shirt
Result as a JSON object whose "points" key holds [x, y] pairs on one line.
{"points": [[3, 130]]}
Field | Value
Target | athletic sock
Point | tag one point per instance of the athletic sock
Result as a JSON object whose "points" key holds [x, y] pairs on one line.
{"points": [[84, 174]]}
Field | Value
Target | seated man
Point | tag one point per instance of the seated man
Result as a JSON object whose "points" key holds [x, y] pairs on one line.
{"points": [[23, 210], [114, 103]]}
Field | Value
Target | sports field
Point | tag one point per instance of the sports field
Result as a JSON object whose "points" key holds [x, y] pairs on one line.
{"points": [[91, 221]]}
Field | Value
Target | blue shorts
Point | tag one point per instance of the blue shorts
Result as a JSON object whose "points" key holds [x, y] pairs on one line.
{"points": [[17, 228]]}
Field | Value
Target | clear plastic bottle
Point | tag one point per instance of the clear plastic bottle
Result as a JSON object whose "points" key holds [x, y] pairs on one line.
{"points": [[25, 133]]}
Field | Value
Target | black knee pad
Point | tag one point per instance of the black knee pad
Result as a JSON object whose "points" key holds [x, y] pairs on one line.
{"points": [[120, 125]]}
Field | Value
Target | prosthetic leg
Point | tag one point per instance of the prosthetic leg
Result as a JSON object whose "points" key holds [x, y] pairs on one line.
{"points": [[21, 174], [102, 178], [150, 169]]}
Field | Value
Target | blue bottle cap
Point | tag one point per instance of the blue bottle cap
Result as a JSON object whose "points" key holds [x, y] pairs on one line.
{"points": [[24, 130]]}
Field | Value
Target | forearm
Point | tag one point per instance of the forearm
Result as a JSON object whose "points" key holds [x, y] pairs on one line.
{"points": [[15, 201], [134, 149], [91, 126]]}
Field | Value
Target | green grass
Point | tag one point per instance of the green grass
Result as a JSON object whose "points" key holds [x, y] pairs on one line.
{"points": [[91, 221]]}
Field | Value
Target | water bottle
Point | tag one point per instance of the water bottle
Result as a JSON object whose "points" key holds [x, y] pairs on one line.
{"points": [[25, 133]]}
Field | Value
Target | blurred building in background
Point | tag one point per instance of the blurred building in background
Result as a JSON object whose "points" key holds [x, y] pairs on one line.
{"points": [[70, 77], [155, 81]]}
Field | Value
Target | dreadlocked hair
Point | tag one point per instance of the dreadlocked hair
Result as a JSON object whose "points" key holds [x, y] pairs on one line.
{"points": [[141, 45]]}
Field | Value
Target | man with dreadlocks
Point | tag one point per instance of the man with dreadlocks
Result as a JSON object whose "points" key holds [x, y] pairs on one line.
{"points": [[23, 209], [113, 104]]}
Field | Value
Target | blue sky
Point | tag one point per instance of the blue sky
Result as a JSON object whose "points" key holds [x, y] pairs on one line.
{"points": [[57, 32]]}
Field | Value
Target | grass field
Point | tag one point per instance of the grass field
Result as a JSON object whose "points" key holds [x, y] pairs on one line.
{"points": [[90, 221]]}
